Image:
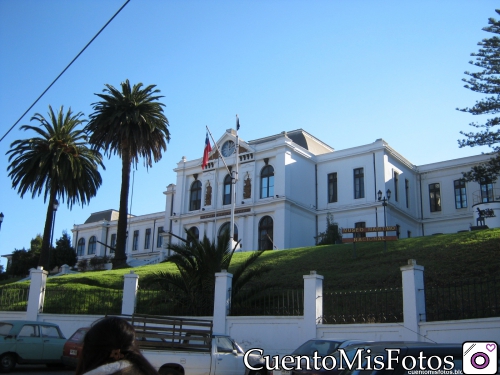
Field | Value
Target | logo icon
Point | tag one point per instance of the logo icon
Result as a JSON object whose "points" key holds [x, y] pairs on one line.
{"points": [[480, 357]]}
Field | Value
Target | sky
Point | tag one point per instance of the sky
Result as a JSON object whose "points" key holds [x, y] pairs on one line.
{"points": [[347, 72]]}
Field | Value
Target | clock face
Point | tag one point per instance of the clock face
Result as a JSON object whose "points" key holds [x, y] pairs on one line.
{"points": [[228, 148]]}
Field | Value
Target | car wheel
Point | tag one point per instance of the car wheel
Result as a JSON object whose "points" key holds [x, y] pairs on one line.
{"points": [[7, 362]]}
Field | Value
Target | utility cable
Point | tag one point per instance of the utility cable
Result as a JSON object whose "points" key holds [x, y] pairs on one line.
{"points": [[54, 81]]}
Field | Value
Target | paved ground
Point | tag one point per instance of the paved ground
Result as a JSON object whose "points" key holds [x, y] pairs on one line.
{"points": [[41, 370]]}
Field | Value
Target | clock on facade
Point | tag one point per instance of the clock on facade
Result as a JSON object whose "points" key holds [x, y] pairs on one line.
{"points": [[228, 148]]}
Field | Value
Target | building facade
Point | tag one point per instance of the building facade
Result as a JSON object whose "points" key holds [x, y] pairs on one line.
{"points": [[288, 185]]}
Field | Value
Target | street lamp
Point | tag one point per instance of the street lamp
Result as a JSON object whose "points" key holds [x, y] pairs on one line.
{"points": [[54, 210], [384, 201], [1, 219]]}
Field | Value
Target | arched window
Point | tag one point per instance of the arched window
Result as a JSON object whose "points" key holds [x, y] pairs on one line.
{"points": [[80, 249], [267, 182], [92, 245], [195, 196], [228, 189], [266, 233], [225, 228], [195, 234]]}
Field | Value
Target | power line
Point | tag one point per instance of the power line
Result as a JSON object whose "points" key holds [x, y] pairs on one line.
{"points": [[72, 61]]}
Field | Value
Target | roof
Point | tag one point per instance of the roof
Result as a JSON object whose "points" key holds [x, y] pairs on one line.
{"points": [[108, 215], [301, 138]]}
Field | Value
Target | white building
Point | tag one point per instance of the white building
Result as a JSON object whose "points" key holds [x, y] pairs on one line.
{"points": [[287, 185]]}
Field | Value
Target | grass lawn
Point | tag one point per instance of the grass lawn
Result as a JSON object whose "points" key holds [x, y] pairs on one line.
{"points": [[446, 258]]}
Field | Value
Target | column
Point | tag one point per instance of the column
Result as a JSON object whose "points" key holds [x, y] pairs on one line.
{"points": [[313, 303], [130, 284], [222, 300], [413, 299], [37, 293]]}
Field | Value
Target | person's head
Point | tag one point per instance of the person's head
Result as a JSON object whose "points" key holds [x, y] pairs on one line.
{"points": [[108, 340]]}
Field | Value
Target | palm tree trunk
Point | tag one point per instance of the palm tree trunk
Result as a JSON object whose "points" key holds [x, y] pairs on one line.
{"points": [[49, 218], [120, 258]]}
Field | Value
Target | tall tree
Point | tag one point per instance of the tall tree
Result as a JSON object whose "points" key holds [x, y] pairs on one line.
{"points": [[64, 253], [57, 163], [485, 81], [131, 124], [192, 289]]}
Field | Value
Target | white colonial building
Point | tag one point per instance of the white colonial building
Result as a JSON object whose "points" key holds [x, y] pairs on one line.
{"points": [[287, 186]]}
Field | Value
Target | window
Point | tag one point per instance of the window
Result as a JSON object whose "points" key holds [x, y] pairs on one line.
{"points": [[227, 190], [460, 194], [159, 238], [135, 241], [267, 182], [435, 197], [407, 193], [266, 233], [359, 183], [80, 249], [29, 331], [361, 224], [225, 228], [396, 184], [224, 345], [332, 187], [50, 331], [147, 238], [195, 234], [92, 245], [195, 196], [486, 191], [113, 242], [409, 234]]}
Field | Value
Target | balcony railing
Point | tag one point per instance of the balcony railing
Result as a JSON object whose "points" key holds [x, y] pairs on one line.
{"points": [[489, 196]]}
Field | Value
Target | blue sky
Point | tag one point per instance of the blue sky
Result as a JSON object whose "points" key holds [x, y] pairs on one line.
{"points": [[348, 72]]}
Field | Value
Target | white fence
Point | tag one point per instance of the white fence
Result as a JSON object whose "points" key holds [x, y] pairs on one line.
{"points": [[280, 334]]}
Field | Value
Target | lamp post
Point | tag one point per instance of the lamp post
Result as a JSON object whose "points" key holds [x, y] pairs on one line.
{"points": [[54, 210], [384, 201], [1, 219]]}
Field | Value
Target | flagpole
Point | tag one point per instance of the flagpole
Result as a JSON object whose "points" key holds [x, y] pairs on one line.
{"points": [[234, 180], [217, 148]]}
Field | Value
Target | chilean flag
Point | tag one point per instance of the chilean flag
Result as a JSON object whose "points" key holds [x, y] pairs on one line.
{"points": [[206, 152]]}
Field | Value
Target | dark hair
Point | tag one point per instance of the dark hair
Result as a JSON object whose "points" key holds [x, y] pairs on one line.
{"points": [[109, 334]]}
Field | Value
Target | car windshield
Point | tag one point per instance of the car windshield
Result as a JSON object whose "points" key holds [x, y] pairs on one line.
{"points": [[5, 329], [322, 347]]}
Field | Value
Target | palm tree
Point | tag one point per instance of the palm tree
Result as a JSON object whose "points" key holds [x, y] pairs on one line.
{"points": [[192, 289], [58, 163], [131, 124]]}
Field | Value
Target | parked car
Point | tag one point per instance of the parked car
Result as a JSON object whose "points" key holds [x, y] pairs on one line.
{"points": [[322, 346], [29, 342], [400, 350], [73, 347]]}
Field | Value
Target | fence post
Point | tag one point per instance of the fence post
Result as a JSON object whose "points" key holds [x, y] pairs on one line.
{"points": [[37, 293], [413, 299], [130, 284], [222, 300], [313, 303]]}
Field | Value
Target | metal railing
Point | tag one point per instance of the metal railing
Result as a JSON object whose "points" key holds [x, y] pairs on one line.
{"points": [[491, 195], [464, 299], [268, 301], [365, 306], [84, 301], [14, 298], [169, 302]]}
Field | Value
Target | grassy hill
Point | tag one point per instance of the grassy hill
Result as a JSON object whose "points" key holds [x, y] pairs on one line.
{"points": [[446, 258]]}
